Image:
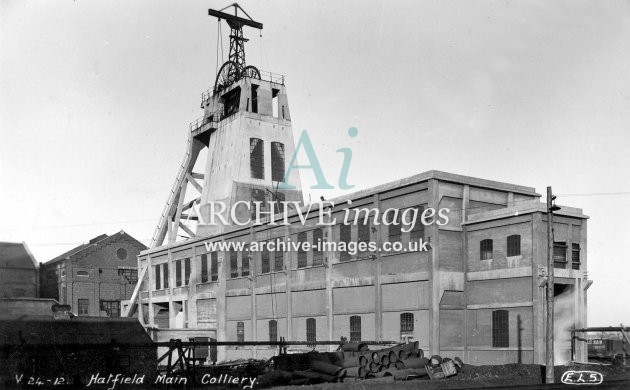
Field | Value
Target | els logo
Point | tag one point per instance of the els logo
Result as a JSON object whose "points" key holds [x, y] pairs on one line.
{"points": [[582, 378]]}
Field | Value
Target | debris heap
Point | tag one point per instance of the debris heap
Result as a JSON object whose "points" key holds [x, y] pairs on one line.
{"points": [[355, 361]]}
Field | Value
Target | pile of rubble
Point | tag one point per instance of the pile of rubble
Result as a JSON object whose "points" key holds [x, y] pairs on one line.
{"points": [[356, 361]]}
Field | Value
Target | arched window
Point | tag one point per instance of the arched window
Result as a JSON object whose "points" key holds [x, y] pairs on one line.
{"points": [[406, 322], [277, 161], [311, 330], [273, 330], [514, 245], [485, 249], [257, 158], [355, 329], [301, 253], [500, 329], [240, 332], [318, 255]]}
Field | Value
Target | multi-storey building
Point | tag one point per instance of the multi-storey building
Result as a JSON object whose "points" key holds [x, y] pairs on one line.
{"points": [[95, 277], [477, 292]]}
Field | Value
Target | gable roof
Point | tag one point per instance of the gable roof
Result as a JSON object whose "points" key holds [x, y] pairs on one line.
{"points": [[16, 255], [95, 242]]}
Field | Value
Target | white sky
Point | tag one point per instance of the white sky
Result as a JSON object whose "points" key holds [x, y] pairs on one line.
{"points": [[96, 97]]}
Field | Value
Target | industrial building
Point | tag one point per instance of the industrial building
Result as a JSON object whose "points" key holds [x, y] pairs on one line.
{"points": [[477, 291], [94, 277]]}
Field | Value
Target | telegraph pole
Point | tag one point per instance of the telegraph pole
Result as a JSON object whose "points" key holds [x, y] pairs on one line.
{"points": [[549, 350]]}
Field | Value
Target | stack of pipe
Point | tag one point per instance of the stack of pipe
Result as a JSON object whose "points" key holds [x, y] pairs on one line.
{"points": [[355, 360]]}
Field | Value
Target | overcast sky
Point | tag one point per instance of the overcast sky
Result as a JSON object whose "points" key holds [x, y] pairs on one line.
{"points": [[96, 97]]}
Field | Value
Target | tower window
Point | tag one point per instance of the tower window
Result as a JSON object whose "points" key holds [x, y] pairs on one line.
{"points": [[254, 98], [231, 102], [277, 161], [257, 158], [273, 330], [500, 329], [514, 245], [485, 249], [257, 196], [275, 105], [355, 329]]}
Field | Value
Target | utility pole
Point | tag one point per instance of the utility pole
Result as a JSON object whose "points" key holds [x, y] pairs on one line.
{"points": [[551, 207]]}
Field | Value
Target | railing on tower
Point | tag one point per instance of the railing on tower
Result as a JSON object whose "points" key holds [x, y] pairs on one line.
{"points": [[275, 78]]}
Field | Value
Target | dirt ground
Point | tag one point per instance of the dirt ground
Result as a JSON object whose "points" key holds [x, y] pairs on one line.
{"points": [[477, 377]]}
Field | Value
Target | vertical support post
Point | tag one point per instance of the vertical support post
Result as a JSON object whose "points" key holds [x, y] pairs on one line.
{"points": [[549, 364]]}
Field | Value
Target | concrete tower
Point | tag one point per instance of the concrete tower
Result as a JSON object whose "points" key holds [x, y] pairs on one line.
{"points": [[246, 128]]}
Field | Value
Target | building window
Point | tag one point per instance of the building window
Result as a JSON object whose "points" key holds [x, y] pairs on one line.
{"points": [[485, 249], [245, 261], [277, 161], [278, 264], [406, 322], [121, 253], [275, 103], [257, 158], [186, 271], [233, 264], [500, 329], [345, 235], [165, 272], [559, 255], [231, 102], [301, 253], [514, 245], [417, 231], [394, 231], [273, 330], [112, 308], [204, 268], [318, 255], [258, 202], [158, 277], [130, 275], [575, 256], [84, 307], [364, 236], [240, 332], [355, 329], [264, 260], [214, 266], [311, 331], [178, 273], [84, 274]]}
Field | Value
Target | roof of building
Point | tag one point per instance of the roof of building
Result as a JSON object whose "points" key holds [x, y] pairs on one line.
{"points": [[522, 208], [97, 241], [42, 329], [16, 255]]}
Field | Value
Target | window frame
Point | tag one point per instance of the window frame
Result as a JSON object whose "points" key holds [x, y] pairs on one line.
{"points": [[83, 307], [240, 332], [273, 330], [257, 158], [355, 329], [277, 161], [406, 322], [513, 245], [500, 328], [486, 249]]}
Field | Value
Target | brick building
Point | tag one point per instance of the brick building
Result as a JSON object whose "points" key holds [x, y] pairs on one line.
{"points": [[95, 277], [478, 291]]}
